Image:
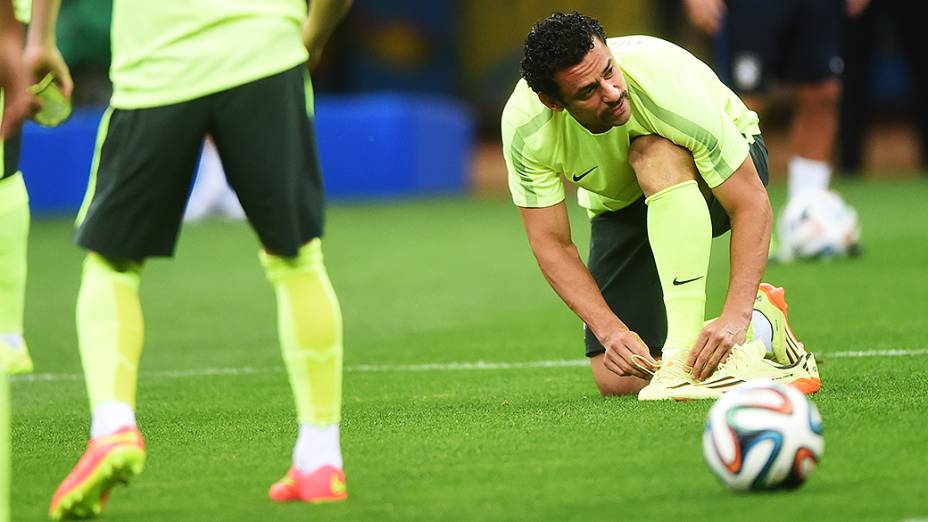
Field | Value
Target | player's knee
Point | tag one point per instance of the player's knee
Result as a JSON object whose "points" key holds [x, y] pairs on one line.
{"points": [[610, 384], [114, 265], [820, 95], [658, 163], [308, 259], [615, 386]]}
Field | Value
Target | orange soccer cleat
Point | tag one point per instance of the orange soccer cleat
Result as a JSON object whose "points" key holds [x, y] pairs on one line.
{"points": [[108, 460]]}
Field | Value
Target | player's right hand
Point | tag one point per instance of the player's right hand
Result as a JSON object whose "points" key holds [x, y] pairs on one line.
{"points": [[705, 14], [620, 347]]}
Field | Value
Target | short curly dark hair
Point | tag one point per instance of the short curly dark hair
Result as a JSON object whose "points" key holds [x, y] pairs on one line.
{"points": [[556, 43]]}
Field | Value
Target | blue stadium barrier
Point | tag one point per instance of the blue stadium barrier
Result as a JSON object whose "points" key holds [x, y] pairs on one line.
{"points": [[372, 146]]}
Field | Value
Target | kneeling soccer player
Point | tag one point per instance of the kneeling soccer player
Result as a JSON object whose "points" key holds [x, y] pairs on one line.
{"points": [[666, 157], [236, 71]]}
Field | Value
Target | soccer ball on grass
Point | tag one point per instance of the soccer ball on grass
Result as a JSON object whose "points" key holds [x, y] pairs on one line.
{"points": [[763, 435], [817, 224]]}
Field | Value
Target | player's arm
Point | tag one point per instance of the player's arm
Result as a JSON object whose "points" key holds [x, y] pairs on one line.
{"points": [[744, 198], [548, 232], [705, 14], [12, 79], [320, 22], [42, 55]]}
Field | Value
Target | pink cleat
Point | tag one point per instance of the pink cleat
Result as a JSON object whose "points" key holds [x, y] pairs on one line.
{"points": [[325, 484]]}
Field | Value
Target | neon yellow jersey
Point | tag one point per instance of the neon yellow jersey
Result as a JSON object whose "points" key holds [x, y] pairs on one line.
{"points": [[169, 51], [671, 94]]}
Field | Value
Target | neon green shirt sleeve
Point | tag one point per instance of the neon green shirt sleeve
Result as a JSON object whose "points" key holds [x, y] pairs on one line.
{"points": [[532, 182]]}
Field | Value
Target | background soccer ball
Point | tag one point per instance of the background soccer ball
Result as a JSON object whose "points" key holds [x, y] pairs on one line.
{"points": [[763, 435], [817, 223]]}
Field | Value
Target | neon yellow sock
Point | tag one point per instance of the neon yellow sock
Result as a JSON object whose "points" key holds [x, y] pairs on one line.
{"points": [[4, 448], [110, 329], [309, 324], [14, 232], [680, 233]]}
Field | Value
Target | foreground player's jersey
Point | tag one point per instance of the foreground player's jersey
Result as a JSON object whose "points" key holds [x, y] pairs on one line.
{"points": [[169, 51], [671, 94]]}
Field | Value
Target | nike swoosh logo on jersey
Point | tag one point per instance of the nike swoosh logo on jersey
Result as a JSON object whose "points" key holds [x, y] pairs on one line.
{"points": [[677, 282], [578, 177]]}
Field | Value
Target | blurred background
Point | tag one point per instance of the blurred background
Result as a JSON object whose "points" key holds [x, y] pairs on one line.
{"points": [[421, 85]]}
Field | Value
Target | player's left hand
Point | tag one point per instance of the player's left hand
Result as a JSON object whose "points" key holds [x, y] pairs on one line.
{"points": [[714, 344]]}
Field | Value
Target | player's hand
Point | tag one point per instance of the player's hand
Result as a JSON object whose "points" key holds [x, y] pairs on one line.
{"points": [[620, 349], [39, 60], [705, 14], [315, 56], [714, 344]]}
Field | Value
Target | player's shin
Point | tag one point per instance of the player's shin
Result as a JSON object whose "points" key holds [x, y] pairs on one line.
{"points": [[110, 336], [14, 231], [310, 330], [680, 233]]}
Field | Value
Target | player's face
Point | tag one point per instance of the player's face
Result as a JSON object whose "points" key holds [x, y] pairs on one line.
{"points": [[594, 90]]}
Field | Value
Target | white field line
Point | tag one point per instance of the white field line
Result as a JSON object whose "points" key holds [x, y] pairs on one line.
{"points": [[430, 367]]}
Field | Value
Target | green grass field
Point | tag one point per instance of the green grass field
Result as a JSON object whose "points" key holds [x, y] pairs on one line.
{"points": [[425, 284]]}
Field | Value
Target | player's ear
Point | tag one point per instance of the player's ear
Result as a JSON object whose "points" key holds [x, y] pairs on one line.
{"points": [[550, 102]]}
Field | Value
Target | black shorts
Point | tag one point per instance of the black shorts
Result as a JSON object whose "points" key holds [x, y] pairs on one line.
{"points": [[11, 147], [623, 265], [145, 161], [796, 41]]}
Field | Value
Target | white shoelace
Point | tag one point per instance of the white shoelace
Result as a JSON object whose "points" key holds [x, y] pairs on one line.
{"points": [[677, 371]]}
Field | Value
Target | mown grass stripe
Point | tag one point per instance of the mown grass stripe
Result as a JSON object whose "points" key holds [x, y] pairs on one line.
{"points": [[427, 367]]}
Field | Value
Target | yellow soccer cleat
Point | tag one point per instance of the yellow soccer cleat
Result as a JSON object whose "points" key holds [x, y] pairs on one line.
{"points": [[672, 380], [108, 460], [746, 363], [771, 302]]}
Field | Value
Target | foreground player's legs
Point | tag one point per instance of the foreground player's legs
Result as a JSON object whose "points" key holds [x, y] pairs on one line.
{"points": [[310, 330], [110, 330], [14, 231], [680, 233], [110, 336]]}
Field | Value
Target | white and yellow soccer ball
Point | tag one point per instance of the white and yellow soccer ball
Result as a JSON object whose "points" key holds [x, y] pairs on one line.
{"points": [[763, 435], [817, 224]]}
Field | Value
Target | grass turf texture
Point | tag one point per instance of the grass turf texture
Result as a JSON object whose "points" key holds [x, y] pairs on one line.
{"points": [[454, 281]]}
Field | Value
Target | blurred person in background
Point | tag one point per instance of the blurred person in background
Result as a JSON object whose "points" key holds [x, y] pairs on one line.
{"points": [[236, 70], [863, 36], [211, 194], [792, 41], [18, 68], [15, 100], [14, 200]]}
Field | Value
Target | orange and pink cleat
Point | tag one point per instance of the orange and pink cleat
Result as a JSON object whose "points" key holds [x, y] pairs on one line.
{"points": [[325, 484], [108, 460]]}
